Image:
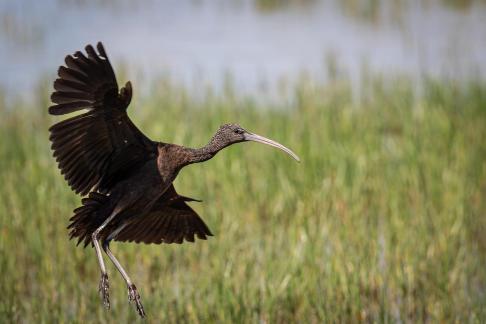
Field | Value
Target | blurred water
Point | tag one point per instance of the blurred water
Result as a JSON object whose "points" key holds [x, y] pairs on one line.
{"points": [[257, 42]]}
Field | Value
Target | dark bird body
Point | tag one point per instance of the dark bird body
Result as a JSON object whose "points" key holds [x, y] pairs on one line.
{"points": [[126, 176]]}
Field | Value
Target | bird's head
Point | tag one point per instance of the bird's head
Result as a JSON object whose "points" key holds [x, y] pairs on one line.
{"points": [[229, 134]]}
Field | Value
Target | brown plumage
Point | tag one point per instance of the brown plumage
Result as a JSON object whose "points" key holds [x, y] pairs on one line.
{"points": [[126, 176]]}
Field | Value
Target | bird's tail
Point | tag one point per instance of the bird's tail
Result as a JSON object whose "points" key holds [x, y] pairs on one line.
{"points": [[87, 218]]}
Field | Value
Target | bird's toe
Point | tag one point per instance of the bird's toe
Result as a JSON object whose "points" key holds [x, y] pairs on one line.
{"points": [[104, 288], [133, 296]]}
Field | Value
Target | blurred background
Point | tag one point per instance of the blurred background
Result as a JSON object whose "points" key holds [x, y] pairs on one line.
{"points": [[257, 43], [382, 221]]}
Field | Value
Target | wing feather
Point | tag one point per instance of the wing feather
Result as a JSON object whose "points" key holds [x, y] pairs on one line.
{"points": [[170, 220], [101, 146]]}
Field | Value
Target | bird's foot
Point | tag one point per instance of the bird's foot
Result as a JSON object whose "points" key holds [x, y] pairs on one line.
{"points": [[104, 288], [133, 296]]}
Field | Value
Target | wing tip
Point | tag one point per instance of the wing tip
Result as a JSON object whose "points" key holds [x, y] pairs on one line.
{"points": [[60, 71], [126, 93], [54, 110], [68, 59], [89, 48], [101, 49]]}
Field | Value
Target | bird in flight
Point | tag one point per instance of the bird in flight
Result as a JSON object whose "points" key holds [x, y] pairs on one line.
{"points": [[125, 177]]}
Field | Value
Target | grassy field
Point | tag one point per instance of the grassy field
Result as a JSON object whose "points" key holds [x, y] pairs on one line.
{"points": [[384, 220]]}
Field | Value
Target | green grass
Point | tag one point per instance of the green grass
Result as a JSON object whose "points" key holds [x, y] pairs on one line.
{"points": [[383, 220]]}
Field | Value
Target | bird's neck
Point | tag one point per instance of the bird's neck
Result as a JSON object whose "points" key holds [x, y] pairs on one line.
{"points": [[196, 155]]}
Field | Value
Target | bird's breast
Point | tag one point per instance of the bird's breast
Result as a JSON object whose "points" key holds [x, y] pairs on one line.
{"points": [[170, 160]]}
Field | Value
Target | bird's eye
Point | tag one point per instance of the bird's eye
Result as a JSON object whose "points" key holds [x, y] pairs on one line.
{"points": [[238, 131]]}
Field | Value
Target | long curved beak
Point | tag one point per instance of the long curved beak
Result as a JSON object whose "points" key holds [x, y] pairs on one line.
{"points": [[260, 139]]}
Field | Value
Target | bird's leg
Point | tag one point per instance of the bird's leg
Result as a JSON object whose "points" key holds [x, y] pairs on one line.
{"points": [[133, 295], [104, 285]]}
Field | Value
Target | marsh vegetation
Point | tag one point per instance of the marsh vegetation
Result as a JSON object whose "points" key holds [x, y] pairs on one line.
{"points": [[383, 220]]}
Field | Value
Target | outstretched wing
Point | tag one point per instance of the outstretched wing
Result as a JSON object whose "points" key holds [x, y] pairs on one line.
{"points": [[170, 220], [95, 149]]}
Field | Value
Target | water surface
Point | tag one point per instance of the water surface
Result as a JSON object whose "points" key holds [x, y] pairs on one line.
{"points": [[257, 42]]}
